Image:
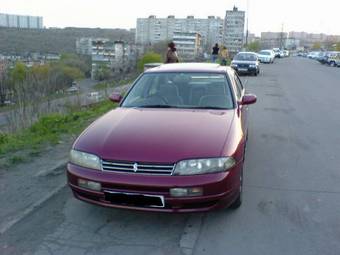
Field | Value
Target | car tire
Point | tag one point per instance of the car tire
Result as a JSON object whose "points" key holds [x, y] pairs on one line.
{"points": [[332, 64], [255, 74], [238, 202]]}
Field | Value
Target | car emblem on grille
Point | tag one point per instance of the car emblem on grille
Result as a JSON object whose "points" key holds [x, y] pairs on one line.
{"points": [[135, 167]]}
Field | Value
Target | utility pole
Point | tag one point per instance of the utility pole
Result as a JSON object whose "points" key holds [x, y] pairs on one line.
{"points": [[281, 39], [247, 26]]}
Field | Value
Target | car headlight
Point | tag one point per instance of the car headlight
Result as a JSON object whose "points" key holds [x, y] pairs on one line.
{"points": [[84, 159], [204, 166], [252, 66], [233, 65]]}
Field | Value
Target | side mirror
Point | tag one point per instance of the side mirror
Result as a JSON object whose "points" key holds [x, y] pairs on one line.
{"points": [[248, 99], [116, 98]]}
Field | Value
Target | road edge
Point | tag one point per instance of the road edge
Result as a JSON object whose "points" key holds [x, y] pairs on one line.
{"points": [[8, 225]]}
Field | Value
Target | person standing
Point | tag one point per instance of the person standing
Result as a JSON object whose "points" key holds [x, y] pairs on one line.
{"points": [[171, 55], [215, 52], [224, 56]]}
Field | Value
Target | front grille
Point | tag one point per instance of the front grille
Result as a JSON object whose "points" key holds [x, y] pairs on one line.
{"points": [[137, 168], [243, 65]]}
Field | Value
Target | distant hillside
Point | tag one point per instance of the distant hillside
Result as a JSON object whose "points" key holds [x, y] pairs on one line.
{"points": [[21, 41]]}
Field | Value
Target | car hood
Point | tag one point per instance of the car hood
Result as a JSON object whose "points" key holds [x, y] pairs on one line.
{"points": [[157, 135]]}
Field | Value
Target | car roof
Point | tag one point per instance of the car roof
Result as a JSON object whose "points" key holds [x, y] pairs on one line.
{"points": [[189, 67]]}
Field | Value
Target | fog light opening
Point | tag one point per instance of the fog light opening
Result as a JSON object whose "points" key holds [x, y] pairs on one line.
{"points": [[186, 192], [96, 186]]}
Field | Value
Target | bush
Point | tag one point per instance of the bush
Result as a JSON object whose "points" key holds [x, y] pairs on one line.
{"points": [[3, 138], [149, 57]]}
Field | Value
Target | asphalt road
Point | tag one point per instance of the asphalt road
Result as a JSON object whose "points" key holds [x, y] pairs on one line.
{"points": [[291, 194]]}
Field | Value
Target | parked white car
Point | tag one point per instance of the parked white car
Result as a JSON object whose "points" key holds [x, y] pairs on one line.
{"points": [[277, 52], [266, 56], [72, 89], [313, 54]]}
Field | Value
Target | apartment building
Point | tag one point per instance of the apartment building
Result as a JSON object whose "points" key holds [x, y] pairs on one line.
{"points": [[189, 45], [20, 21], [309, 39], [271, 40], [234, 30], [115, 56], [152, 29]]}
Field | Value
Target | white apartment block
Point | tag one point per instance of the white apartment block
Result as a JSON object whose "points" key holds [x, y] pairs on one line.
{"points": [[117, 56], [20, 21], [188, 45], [84, 46], [234, 30], [271, 40], [152, 30]]}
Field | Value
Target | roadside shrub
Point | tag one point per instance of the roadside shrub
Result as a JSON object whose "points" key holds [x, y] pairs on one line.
{"points": [[149, 57], [3, 138]]}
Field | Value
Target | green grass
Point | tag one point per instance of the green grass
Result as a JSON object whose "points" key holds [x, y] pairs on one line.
{"points": [[49, 130], [104, 85]]}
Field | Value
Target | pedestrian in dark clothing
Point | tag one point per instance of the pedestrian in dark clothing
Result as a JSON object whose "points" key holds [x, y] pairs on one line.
{"points": [[171, 55], [215, 52]]}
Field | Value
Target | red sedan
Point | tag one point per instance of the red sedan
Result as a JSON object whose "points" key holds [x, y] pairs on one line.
{"points": [[176, 143]]}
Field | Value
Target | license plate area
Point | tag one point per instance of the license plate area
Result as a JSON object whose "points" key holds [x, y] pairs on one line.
{"points": [[134, 199], [243, 69]]}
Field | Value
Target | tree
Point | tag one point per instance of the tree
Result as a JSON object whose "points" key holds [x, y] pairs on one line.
{"points": [[254, 46], [72, 73], [150, 57], [316, 46], [160, 48], [19, 72], [81, 62], [102, 72], [4, 85], [337, 46]]}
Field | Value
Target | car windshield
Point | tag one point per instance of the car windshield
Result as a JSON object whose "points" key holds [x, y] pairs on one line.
{"points": [[265, 53], [181, 90], [245, 56]]}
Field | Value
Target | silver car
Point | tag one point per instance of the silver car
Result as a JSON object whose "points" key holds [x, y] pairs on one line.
{"points": [[266, 56]]}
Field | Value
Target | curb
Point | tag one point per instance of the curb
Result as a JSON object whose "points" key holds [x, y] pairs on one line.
{"points": [[8, 225], [60, 164]]}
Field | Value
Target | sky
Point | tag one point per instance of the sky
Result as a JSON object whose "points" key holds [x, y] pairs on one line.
{"points": [[314, 16]]}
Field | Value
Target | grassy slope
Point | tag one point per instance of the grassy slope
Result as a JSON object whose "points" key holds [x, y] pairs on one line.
{"points": [[48, 130]]}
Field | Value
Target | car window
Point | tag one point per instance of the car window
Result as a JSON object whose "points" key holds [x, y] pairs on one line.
{"points": [[239, 87], [181, 90], [265, 53], [246, 57]]}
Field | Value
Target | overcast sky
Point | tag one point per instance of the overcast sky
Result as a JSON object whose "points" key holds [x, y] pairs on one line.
{"points": [[264, 15]]}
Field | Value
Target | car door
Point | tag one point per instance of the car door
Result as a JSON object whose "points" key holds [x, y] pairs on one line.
{"points": [[242, 109]]}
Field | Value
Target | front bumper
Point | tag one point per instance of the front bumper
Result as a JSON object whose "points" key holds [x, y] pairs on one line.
{"points": [[245, 69], [265, 60], [219, 190]]}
